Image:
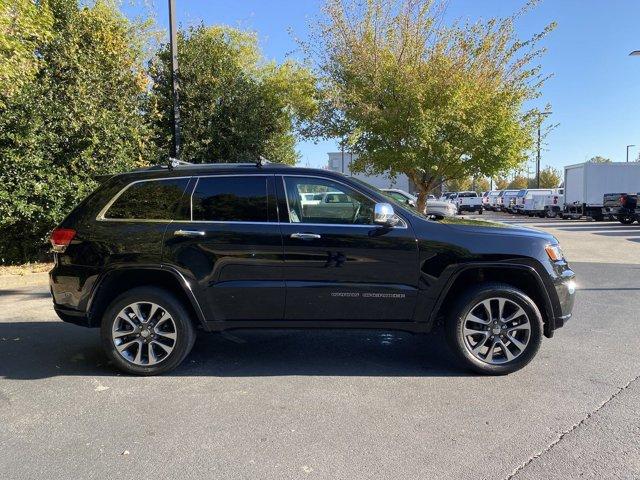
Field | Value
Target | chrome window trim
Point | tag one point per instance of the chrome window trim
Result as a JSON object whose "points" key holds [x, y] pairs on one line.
{"points": [[101, 218], [373, 225], [101, 215]]}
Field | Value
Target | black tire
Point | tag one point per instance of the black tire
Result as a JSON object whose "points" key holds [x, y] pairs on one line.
{"points": [[455, 323], [480, 212], [626, 219], [551, 214], [184, 329]]}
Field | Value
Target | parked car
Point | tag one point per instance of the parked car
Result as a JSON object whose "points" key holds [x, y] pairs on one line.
{"points": [[468, 202], [622, 206], [154, 255], [485, 200], [522, 195], [448, 196], [436, 208], [506, 200], [543, 204], [492, 199], [312, 198]]}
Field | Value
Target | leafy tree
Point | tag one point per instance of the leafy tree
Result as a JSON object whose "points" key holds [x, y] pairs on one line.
{"points": [[599, 159], [459, 184], [550, 177], [501, 183], [433, 102], [234, 106], [80, 116], [519, 182], [24, 26], [482, 184]]}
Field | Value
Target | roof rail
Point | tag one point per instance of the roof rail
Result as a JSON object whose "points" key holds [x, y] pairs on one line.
{"points": [[261, 161], [174, 162]]}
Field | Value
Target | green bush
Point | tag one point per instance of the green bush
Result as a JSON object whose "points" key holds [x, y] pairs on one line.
{"points": [[80, 115]]}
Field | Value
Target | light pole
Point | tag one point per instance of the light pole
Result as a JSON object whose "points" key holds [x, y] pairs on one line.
{"points": [[175, 77], [542, 115], [629, 146]]}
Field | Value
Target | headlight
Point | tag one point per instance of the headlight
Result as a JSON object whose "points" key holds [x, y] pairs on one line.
{"points": [[554, 252]]}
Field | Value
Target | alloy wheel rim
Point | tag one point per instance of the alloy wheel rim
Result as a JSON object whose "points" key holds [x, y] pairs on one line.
{"points": [[144, 333], [496, 330]]}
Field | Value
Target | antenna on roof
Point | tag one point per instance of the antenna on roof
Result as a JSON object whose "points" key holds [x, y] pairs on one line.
{"points": [[261, 161]]}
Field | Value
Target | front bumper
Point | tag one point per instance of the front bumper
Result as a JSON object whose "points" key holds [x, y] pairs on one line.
{"points": [[565, 288]]}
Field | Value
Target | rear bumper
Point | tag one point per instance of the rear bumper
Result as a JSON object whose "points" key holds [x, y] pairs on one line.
{"points": [[73, 316]]}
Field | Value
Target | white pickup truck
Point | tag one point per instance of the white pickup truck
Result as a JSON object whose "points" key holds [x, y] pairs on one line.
{"points": [[468, 202], [544, 203]]}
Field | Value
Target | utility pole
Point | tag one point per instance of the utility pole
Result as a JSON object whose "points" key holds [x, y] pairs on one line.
{"points": [[175, 77], [629, 146], [542, 115]]}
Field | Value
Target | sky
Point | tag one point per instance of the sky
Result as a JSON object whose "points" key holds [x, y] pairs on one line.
{"points": [[594, 92]]}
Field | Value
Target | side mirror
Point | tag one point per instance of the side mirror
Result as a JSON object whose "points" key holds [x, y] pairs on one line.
{"points": [[383, 214]]}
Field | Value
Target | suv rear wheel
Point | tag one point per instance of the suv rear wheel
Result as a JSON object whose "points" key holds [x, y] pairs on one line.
{"points": [[495, 329], [147, 331]]}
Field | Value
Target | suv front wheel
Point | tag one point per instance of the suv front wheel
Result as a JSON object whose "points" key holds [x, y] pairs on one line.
{"points": [[147, 331], [495, 329]]}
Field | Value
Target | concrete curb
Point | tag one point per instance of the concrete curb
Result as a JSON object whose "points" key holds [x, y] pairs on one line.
{"points": [[28, 280]]}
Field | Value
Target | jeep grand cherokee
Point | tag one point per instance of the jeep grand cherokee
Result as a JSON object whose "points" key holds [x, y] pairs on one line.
{"points": [[154, 255]]}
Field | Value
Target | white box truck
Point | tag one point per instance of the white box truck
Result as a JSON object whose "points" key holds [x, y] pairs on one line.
{"points": [[586, 183]]}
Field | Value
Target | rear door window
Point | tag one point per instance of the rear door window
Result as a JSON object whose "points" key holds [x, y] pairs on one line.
{"points": [[234, 199], [151, 200]]}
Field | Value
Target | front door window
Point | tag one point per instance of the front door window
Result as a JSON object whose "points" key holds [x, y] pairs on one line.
{"points": [[323, 201]]}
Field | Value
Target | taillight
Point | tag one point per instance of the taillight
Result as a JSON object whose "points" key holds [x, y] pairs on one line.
{"points": [[61, 238], [555, 200], [623, 200]]}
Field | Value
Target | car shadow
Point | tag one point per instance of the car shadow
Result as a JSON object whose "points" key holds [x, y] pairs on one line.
{"points": [[28, 292], [34, 350], [619, 234]]}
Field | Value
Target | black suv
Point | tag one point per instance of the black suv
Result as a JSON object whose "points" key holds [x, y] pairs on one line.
{"points": [[154, 255]]}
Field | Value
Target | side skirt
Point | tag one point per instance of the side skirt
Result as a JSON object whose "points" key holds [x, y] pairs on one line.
{"points": [[413, 327]]}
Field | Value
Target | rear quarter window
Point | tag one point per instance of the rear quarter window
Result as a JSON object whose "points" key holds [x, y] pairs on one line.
{"points": [[151, 200]]}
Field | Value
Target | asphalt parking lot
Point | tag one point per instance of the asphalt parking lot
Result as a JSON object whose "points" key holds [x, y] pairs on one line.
{"points": [[335, 404]]}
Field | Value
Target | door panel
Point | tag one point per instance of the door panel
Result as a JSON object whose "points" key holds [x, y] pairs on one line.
{"points": [[349, 269], [232, 250]]}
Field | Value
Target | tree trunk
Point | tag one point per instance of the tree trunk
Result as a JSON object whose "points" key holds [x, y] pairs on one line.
{"points": [[422, 200], [424, 185]]}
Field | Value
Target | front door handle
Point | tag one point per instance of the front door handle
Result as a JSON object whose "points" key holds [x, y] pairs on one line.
{"points": [[305, 236], [189, 233]]}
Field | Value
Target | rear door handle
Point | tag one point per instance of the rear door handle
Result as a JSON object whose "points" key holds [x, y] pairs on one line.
{"points": [[306, 236], [189, 233]]}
